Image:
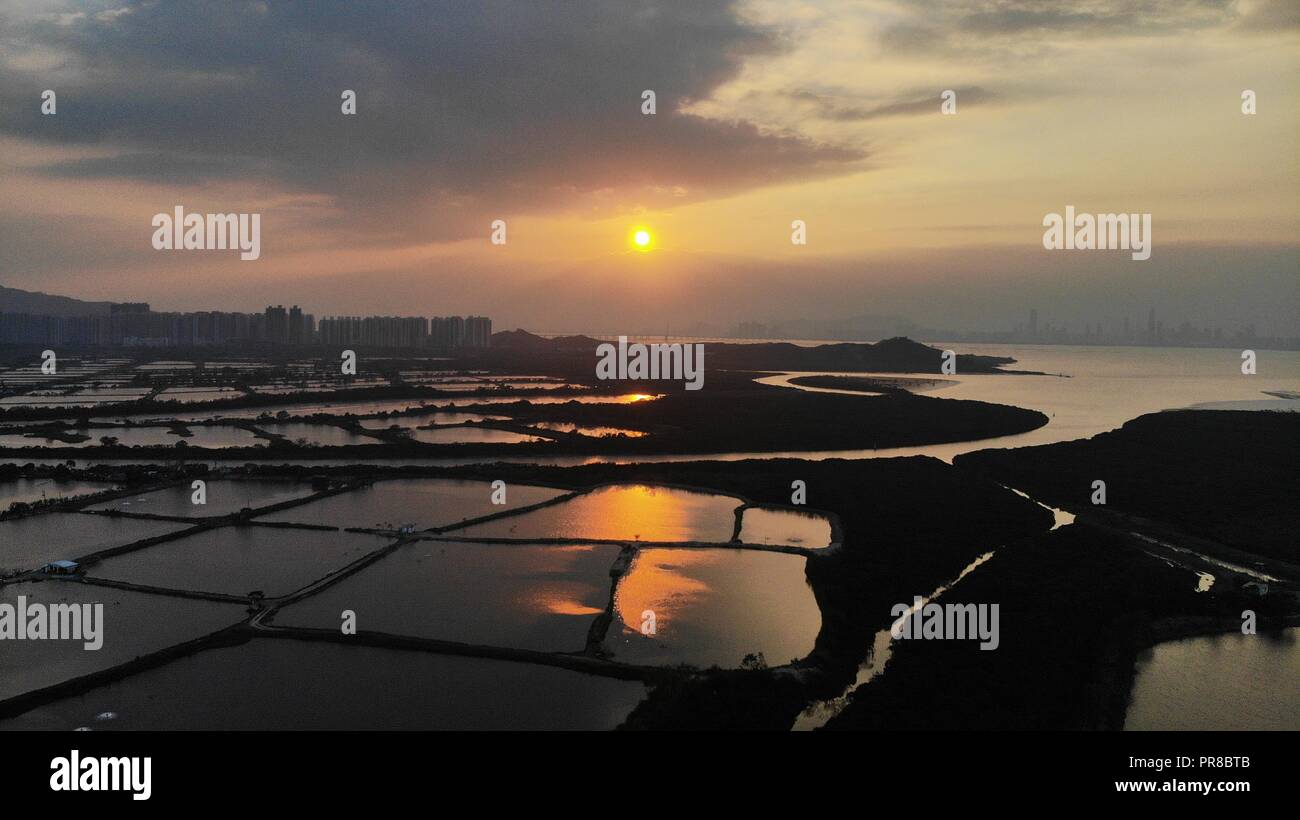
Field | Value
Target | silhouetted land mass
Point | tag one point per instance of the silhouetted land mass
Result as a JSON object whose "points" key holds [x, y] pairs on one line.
{"points": [[733, 414], [1076, 606], [898, 355], [1228, 476], [14, 300], [746, 417], [870, 384]]}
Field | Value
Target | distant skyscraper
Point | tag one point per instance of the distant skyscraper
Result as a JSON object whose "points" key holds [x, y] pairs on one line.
{"points": [[277, 324], [447, 332], [478, 331], [136, 325], [295, 331]]}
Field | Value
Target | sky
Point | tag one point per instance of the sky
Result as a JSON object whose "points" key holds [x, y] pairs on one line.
{"points": [[767, 111]]}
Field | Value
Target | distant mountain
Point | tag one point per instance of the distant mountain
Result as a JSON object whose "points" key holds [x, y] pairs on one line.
{"points": [[517, 339], [890, 355], [896, 355], [13, 300], [523, 340]]}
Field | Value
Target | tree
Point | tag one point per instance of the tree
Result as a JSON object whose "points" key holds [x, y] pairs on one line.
{"points": [[753, 661]]}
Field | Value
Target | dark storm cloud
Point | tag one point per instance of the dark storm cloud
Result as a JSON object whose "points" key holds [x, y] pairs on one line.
{"points": [[462, 107]]}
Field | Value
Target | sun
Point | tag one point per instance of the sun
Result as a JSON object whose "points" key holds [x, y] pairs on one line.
{"points": [[641, 239]]}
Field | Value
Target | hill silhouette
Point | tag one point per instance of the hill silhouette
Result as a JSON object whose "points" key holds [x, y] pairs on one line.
{"points": [[899, 354], [14, 300]]}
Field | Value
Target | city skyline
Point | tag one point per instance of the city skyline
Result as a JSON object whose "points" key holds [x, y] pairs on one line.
{"points": [[134, 324], [82, 324]]}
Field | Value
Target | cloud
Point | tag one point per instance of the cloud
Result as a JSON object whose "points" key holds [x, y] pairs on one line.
{"points": [[992, 26], [465, 110], [166, 168], [912, 103], [49, 250], [1268, 16]]}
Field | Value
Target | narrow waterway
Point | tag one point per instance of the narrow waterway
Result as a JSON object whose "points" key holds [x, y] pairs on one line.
{"points": [[817, 714]]}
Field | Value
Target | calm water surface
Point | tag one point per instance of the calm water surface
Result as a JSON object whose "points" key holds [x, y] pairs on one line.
{"points": [[596, 432], [134, 623], [470, 435], [623, 513], [760, 525], [424, 502], [34, 541], [1219, 682], [320, 435], [224, 496], [237, 560], [512, 595], [291, 685], [27, 490], [712, 607], [425, 419]]}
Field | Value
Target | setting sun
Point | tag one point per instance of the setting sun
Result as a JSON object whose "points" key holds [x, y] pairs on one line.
{"points": [[641, 239]]}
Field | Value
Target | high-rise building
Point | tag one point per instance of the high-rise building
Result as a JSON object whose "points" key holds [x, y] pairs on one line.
{"points": [[295, 330], [447, 332], [277, 324], [478, 331]]}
